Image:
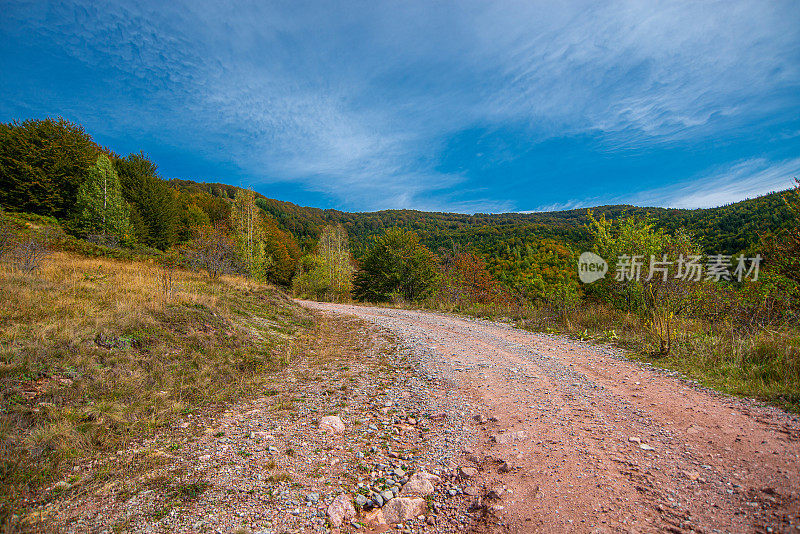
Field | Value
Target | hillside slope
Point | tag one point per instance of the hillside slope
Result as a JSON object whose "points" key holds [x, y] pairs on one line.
{"points": [[96, 352], [726, 229]]}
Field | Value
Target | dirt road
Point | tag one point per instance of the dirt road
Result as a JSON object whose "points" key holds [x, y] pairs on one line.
{"points": [[584, 440]]}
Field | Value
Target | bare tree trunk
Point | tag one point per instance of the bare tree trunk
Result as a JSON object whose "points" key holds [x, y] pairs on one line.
{"points": [[105, 202]]}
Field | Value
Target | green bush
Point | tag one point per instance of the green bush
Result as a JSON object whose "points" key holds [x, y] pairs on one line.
{"points": [[396, 267]]}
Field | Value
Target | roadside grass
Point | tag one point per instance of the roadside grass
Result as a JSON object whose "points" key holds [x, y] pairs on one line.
{"points": [[97, 352], [763, 364]]}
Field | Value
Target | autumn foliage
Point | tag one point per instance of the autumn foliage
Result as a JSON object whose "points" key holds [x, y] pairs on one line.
{"points": [[466, 280]]}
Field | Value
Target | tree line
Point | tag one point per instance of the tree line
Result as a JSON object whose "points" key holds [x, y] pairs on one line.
{"points": [[53, 168]]}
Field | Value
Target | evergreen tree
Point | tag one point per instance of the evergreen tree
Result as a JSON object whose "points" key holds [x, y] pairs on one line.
{"points": [[154, 208], [101, 209]]}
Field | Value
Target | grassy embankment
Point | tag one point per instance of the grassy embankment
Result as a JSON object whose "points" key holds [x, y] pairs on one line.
{"points": [[96, 353]]}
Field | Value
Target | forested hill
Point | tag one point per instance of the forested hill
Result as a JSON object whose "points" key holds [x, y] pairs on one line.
{"points": [[726, 229], [44, 164]]}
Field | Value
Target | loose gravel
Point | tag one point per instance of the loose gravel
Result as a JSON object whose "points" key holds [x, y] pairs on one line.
{"points": [[577, 437]]}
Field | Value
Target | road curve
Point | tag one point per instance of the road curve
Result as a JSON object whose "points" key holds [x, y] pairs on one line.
{"points": [[588, 441]]}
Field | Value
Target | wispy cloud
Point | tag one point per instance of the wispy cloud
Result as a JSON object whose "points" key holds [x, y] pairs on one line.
{"points": [[720, 186], [568, 205], [743, 179], [360, 102]]}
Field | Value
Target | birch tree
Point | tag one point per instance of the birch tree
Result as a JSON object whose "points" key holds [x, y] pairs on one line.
{"points": [[101, 209], [249, 233], [327, 274]]}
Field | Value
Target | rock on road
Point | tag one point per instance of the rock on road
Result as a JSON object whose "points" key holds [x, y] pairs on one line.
{"points": [[584, 440]]}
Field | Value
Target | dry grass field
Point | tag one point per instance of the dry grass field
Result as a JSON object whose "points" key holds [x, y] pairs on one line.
{"points": [[97, 352]]}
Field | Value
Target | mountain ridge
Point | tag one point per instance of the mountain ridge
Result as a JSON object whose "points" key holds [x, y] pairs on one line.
{"points": [[729, 229]]}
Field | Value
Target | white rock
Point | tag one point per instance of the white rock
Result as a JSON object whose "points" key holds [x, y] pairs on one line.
{"points": [[404, 508], [472, 491], [331, 424], [374, 518], [420, 483], [509, 437], [467, 472], [340, 510]]}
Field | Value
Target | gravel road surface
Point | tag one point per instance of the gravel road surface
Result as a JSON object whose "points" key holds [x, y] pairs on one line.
{"points": [[575, 437]]}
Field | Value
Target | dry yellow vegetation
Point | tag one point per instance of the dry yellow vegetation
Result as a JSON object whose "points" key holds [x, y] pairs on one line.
{"points": [[95, 352]]}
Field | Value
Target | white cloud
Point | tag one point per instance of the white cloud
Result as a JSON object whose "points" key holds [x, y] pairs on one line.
{"points": [[360, 102], [566, 206], [743, 179], [640, 73], [715, 187]]}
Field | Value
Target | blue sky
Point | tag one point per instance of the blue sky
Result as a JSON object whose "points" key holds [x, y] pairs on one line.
{"points": [[448, 106]]}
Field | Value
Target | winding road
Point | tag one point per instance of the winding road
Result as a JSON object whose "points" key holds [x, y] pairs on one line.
{"points": [[574, 437]]}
